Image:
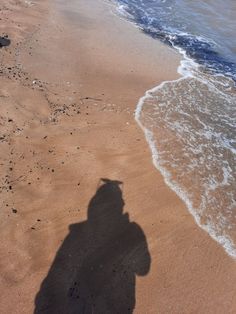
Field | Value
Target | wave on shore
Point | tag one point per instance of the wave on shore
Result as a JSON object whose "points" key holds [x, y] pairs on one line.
{"points": [[190, 123]]}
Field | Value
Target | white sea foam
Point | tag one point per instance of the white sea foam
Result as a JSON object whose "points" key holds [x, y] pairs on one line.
{"points": [[187, 69]]}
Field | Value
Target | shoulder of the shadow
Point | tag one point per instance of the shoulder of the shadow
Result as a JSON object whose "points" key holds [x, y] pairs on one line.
{"points": [[77, 234], [134, 228], [137, 231], [77, 226]]}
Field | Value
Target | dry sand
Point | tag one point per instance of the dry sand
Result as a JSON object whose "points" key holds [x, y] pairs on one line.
{"points": [[70, 81]]}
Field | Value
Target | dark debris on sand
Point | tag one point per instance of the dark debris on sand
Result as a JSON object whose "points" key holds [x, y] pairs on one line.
{"points": [[4, 41]]}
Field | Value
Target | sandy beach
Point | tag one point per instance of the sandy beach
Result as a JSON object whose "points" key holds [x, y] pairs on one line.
{"points": [[70, 82]]}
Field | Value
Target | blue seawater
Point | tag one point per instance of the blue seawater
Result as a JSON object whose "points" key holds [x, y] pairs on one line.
{"points": [[204, 29]]}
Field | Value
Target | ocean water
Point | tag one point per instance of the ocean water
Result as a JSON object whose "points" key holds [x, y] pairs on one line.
{"points": [[190, 123]]}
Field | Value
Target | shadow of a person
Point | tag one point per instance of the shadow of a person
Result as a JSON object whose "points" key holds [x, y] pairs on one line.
{"points": [[95, 268]]}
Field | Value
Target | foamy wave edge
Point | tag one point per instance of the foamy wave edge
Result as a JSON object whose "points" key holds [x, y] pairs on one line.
{"points": [[185, 71]]}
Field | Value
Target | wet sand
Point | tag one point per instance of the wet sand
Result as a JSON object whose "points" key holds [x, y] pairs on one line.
{"points": [[70, 82]]}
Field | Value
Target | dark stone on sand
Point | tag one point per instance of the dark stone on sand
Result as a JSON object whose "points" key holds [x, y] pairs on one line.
{"points": [[14, 210], [4, 41]]}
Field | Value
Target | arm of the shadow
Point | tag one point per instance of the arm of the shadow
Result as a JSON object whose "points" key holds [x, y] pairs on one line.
{"points": [[142, 257]]}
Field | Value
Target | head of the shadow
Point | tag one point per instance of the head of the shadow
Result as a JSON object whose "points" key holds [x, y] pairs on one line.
{"points": [[4, 41], [106, 206]]}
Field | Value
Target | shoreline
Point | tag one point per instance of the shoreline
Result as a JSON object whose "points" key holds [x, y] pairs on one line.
{"points": [[72, 125], [222, 239]]}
